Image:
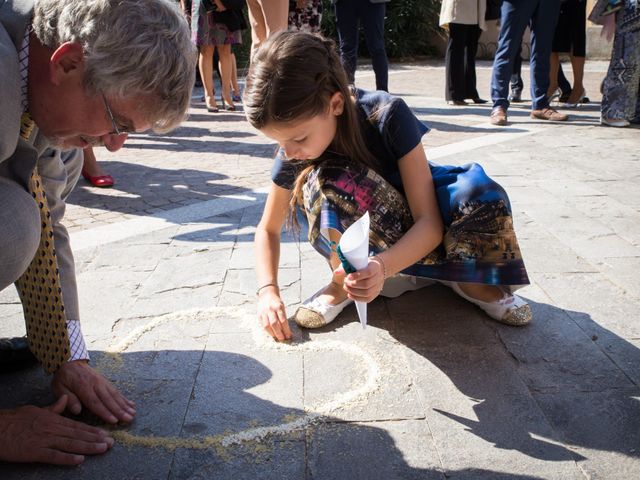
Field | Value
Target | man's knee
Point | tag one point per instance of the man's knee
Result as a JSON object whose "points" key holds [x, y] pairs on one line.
{"points": [[20, 233]]}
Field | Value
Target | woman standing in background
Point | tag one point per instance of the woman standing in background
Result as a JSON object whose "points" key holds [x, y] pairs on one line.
{"points": [[621, 87], [570, 37], [219, 28], [464, 20]]}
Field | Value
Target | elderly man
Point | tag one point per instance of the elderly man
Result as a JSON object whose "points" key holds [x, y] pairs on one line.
{"points": [[73, 73]]}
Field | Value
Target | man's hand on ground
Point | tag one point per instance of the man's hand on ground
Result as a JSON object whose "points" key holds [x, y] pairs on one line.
{"points": [[32, 434], [84, 386]]}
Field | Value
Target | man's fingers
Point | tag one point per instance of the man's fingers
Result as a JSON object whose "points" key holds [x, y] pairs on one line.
{"points": [[123, 401], [107, 397], [60, 404], [81, 431], [74, 405], [79, 447], [94, 403]]}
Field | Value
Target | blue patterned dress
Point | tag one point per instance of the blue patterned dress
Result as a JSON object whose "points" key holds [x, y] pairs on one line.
{"points": [[479, 243]]}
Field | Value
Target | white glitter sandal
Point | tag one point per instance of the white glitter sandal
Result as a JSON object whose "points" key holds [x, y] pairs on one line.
{"points": [[316, 313], [510, 309]]}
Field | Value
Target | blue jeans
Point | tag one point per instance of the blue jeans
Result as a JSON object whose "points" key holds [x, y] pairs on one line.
{"points": [[542, 16], [349, 13]]}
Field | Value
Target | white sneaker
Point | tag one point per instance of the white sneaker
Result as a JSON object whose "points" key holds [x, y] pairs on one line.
{"points": [[510, 309], [399, 284], [316, 313], [614, 122]]}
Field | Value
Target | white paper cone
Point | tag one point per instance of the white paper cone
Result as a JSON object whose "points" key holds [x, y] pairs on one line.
{"points": [[354, 245]]}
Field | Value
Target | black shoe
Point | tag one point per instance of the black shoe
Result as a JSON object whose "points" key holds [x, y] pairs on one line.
{"points": [[479, 101], [564, 97], [457, 103], [15, 354]]}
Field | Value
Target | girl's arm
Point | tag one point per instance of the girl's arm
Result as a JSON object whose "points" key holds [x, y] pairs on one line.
{"points": [[423, 237], [271, 311]]}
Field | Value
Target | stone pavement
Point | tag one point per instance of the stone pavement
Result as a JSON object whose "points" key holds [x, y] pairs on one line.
{"points": [[431, 389]]}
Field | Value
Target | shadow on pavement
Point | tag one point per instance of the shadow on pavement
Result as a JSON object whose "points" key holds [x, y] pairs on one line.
{"points": [[202, 140], [149, 190], [562, 370], [190, 402]]}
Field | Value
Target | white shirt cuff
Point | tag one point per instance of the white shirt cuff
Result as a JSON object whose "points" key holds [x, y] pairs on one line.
{"points": [[76, 340]]}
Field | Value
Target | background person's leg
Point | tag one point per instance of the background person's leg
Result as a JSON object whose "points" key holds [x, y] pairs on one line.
{"points": [[224, 51], [372, 18], [257, 23], [515, 15], [205, 64], [543, 24], [454, 63], [347, 27], [578, 91], [276, 14], [471, 49], [516, 82], [563, 83]]}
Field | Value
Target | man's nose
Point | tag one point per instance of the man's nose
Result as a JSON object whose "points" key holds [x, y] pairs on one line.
{"points": [[114, 142]]}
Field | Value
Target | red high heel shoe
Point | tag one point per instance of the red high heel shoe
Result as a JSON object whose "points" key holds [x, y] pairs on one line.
{"points": [[101, 181]]}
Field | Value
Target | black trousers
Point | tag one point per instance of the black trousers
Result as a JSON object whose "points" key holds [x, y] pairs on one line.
{"points": [[460, 61], [349, 15]]}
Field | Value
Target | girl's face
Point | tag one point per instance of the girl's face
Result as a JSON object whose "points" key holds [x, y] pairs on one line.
{"points": [[307, 139]]}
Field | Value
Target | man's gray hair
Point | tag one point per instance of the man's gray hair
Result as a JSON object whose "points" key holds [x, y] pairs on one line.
{"points": [[133, 48]]}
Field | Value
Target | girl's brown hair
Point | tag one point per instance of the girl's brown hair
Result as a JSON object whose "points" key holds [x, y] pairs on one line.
{"points": [[292, 78]]}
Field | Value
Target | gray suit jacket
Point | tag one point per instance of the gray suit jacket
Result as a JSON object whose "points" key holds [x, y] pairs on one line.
{"points": [[59, 170]]}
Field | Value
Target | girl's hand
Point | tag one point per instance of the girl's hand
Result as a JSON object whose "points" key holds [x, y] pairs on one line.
{"points": [[366, 284], [220, 5], [272, 315]]}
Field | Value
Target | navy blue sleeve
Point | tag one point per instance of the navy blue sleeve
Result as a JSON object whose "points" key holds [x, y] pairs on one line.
{"points": [[401, 129], [283, 172]]}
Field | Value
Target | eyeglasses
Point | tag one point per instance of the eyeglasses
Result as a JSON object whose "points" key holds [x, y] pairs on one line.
{"points": [[116, 130]]}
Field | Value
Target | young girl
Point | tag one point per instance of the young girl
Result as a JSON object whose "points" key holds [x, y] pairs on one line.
{"points": [[347, 152]]}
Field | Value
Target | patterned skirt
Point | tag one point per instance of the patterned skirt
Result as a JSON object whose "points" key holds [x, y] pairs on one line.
{"points": [[205, 31], [306, 18], [479, 243]]}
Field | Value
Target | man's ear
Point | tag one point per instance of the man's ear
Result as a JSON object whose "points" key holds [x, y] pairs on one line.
{"points": [[66, 60], [336, 104]]}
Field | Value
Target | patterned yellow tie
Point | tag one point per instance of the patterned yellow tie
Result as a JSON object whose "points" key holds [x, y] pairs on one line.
{"points": [[39, 286]]}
